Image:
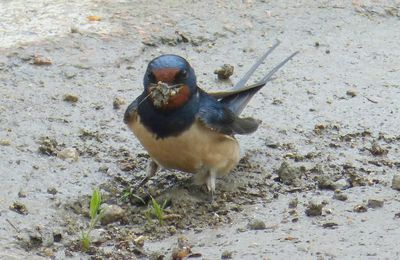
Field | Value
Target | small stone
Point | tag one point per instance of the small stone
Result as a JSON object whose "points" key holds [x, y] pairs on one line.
{"points": [[378, 150], [38, 60], [180, 253], [35, 240], [224, 72], [74, 30], [22, 194], [52, 190], [375, 203], [339, 195], [351, 93], [289, 175], [314, 209], [257, 224], [112, 214], [98, 236], [103, 168], [68, 154], [330, 225], [396, 182], [360, 208], [325, 183], [72, 98], [227, 255], [5, 142], [357, 180], [341, 184], [118, 102], [19, 208], [183, 250], [48, 252], [139, 241], [94, 18], [241, 229], [48, 146], [156, 256], [57, 236], [293, 203], [318, 128]]}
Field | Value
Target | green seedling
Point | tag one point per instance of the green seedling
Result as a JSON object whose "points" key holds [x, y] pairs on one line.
{"points": [[156, 210], [128, 195], [95, 216]]}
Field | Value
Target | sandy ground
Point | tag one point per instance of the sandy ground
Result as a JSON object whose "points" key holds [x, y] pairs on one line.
{"points": [[331, 114]]}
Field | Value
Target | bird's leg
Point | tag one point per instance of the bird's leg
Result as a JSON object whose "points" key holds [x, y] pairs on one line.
{"points": [[152, 168], [210, 182]]}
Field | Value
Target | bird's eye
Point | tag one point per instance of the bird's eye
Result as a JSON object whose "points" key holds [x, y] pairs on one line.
{"points": [[184, 74], [151, 76]]}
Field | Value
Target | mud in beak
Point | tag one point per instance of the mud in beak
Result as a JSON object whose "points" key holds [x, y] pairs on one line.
{"points": [[161, 93]]}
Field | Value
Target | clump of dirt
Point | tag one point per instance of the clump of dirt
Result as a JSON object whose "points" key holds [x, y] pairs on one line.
{"points": [[19, 207], [224, 72], [49, 146], [290, 175]]}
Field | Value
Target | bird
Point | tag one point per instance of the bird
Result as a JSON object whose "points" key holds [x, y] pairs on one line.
{"points": [[183, 127]]}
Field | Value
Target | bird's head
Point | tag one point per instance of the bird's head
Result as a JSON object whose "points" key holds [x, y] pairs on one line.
{"points": [[169, 82]]}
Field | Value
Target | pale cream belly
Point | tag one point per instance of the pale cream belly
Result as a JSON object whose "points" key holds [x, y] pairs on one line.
{"points": [[197, 149]]}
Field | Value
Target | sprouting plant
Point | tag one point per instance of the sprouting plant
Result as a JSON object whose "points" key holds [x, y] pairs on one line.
{"points": [[128, 194], [95, 216], [156, 210]]}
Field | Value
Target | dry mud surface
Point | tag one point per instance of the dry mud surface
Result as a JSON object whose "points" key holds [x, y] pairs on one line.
{"points": [[315, 181]]}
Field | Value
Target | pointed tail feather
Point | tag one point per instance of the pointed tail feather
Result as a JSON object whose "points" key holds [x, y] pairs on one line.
{"points": [[242, 82], [238, 100]]}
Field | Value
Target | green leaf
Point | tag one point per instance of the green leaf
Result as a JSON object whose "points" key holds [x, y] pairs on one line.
{"points": [[95, 203], [85, 242]]}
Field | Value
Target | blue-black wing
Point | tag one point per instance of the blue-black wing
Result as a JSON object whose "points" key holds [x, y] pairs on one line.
{"points": [[220, 118], [131, 110]]}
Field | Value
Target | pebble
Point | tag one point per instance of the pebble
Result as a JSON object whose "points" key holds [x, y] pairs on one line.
{"points": [[38, 60], [22, 194], [339, 195], [98, 236], [289, 175], [396, 182], [314, 209], [293, 203], [118, 102], [48, 146], [112, 214], [52, 190], [325, 183], [257, 224], [5, 142], [378, 150], [227, 255], [331, 225], [68, 154], [375, 203], [341, 184], [360, 208], [72, 98], [351, 93], [57, 236], [224, 72], [19, 208]]}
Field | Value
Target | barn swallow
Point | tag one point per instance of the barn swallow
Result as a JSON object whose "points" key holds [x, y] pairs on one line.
{"points": [[184, 128]]}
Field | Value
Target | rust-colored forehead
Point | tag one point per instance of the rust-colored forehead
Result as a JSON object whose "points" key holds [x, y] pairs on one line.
{"points": [[166, 75]]}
